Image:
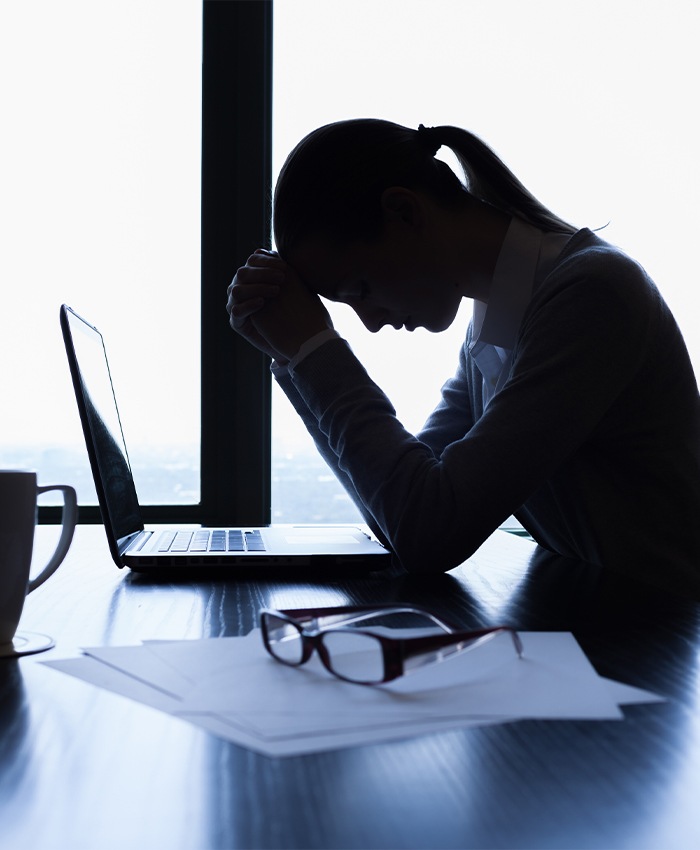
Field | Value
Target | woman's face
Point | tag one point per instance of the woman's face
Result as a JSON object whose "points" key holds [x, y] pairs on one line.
{"points": [[390, 281]]}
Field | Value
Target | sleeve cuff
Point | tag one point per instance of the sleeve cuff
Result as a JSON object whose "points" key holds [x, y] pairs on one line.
{"points": [[309, 347]]}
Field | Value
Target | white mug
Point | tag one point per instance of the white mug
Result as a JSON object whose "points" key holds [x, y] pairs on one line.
{"points": [[18, 509]]}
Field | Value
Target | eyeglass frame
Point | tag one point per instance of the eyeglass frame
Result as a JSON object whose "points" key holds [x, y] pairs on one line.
{"points": [[395, 651]]}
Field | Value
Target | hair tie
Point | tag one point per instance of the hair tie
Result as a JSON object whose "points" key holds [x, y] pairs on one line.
{"points": [[426, 138]]}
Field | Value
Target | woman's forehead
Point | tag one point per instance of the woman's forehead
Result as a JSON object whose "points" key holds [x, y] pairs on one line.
{"points": [[325, 268]]}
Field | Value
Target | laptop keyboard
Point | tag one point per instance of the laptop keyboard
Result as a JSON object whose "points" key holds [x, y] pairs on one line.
{"points": [[217, 540]]}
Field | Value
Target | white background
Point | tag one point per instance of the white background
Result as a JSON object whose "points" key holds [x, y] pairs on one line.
{"points": [[592, 104]]}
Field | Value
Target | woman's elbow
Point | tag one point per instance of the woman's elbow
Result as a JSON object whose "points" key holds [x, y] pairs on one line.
{"points": [[432, 558]]}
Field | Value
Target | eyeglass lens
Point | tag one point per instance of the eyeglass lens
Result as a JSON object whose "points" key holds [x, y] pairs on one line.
{"points": [[355, 656], [284, 639], [351, 655]]}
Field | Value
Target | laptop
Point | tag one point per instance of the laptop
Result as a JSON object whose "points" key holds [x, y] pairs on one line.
{"points": [[288, 548]]}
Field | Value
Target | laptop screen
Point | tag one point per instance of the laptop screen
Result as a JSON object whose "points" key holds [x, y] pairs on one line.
{"points": [[109, 459]]}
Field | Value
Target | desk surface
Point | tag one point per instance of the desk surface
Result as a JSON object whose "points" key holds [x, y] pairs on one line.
{"points": [[84, 768]]}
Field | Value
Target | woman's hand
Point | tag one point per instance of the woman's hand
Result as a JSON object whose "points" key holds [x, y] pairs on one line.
{"points": [[252, 285], [270, 306]]}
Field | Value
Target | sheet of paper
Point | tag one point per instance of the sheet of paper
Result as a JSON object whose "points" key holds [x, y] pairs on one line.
{"points": [[235, 728], [629, 695], [104, 676], [232, 688], [176, 666], [553, 679], [304, 745], [141, 664]]}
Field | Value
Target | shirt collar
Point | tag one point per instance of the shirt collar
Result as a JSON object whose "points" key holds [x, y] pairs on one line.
{"points": [[497, 322]]}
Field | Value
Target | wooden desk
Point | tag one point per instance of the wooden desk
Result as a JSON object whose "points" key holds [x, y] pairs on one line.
{"points": [[83, 768]]}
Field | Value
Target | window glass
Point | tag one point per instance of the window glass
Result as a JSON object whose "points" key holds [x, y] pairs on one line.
{"points": [[100, 176], [590, 104]]}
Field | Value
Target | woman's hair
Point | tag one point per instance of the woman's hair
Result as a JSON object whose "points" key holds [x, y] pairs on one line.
{"points": [[332, 182]]}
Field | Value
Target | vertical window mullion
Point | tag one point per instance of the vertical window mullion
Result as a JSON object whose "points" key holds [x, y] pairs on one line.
{"points": [[236, 198]]}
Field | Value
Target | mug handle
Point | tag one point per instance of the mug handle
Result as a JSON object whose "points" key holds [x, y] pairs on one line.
{"points": [[69, 518]]}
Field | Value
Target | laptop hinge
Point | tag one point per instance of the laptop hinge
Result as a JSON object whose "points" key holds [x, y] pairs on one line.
{"points": [[134, 542]]}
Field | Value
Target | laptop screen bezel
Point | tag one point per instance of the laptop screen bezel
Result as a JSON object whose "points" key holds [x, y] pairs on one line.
{"points": [[117, 545]]}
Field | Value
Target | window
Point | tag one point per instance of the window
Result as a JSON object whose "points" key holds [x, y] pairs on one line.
{"points": [[118, 114], [101, 151], [591, 106]]}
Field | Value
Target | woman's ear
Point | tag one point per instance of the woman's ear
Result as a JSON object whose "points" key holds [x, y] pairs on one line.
{"points": [[401, 206]]}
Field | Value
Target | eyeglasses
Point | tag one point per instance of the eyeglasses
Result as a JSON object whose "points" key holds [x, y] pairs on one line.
{"points": [[364, 656]]}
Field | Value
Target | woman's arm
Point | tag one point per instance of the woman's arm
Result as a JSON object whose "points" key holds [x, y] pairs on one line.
{"points": [[455, 414], [435, 501], [436, 507], [285, 382]]}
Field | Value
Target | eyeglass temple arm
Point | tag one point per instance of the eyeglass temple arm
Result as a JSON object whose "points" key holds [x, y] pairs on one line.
{"points": [[420, 651], [356, 613]]}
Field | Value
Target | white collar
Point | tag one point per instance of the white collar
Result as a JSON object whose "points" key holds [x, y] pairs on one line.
{"points": [[497, 322]]}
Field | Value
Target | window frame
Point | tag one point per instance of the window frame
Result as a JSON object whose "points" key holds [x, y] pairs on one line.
{"points": [[236, 205]]}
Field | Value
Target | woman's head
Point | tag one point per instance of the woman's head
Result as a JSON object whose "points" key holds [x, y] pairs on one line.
{"points": [[331, 184]]}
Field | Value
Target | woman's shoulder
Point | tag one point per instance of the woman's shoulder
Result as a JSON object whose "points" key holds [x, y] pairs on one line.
{"points": [[590, 266], [595, 284], [586, 251]]}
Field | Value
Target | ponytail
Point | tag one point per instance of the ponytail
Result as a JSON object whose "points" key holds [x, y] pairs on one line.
{"points": [[488, 178]]}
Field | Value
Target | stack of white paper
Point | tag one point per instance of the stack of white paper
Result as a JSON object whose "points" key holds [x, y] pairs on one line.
{"points": [[234, 689]]}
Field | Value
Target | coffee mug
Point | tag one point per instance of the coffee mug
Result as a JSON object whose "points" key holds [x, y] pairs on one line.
{"points": [[18, 509]]}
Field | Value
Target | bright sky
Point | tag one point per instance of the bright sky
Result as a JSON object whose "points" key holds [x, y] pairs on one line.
{"points": [[591, 103], [99, 206]]}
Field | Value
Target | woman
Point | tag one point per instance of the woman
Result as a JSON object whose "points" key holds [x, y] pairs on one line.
{"points": [[574, 405]]}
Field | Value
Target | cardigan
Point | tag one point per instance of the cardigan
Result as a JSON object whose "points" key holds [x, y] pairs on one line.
{"points": [[592, 442]]}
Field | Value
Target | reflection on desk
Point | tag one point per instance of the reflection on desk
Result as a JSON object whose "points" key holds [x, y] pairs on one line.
{"points": [[81, 767]]}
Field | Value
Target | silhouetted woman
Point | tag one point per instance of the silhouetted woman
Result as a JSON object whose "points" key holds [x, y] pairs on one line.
{"points": [[574, 405]]}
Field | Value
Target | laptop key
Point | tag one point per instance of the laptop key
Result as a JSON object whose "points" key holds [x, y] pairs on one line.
{"points": [[218, 541], [235, 541], [165, 541], [200, 542], [181, 542], [254, 541]]}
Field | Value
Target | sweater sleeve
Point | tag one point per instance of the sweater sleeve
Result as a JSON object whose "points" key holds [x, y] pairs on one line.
{"points": [[456, 411], [435, 505], [284, 381]]}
